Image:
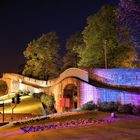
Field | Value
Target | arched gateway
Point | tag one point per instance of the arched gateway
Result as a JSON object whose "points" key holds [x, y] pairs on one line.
{"points": [[70, 97], [67, 94]]}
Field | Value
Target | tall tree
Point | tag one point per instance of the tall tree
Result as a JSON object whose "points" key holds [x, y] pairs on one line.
{"points": [[42, 57], [74, 46], [100, 36], [128, 14]]}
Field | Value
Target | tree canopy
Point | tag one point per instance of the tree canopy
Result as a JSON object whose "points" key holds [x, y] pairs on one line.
{"points": [[42, 57], [106, 39], [128, 13], [101, 28], [74, 46]]}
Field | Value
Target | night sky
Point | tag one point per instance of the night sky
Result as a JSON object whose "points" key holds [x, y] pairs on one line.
{"points": [[22, 21]]}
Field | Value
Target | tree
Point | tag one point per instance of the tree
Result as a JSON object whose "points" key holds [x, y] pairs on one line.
{"points": [[74, 46], [21, 68], [124, 57], [3, 87], [128, 16], [101, 28], [70, 60], [42, 57]]}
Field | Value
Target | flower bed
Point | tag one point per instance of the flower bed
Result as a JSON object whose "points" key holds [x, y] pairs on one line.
{"points": [[62, 125]]}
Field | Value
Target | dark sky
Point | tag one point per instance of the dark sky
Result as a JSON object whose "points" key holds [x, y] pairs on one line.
{"points": [[22, 21]]}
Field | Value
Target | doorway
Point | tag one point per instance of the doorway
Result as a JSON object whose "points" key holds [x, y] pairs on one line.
{"points": [[71, 96]]}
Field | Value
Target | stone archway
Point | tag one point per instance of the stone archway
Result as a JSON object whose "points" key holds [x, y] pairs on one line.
{"points": [[65, 89], [70, 97]]}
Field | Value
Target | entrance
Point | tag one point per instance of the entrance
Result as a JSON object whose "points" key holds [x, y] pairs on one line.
{"points": [[70, 94]]}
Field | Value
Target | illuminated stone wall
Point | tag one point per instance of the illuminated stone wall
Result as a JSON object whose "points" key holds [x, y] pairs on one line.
{"points": [[57, 90], [96, 94], [16, 82], [117, 95], [119, 76], [81, 79], [129, 77], [87, 92]]}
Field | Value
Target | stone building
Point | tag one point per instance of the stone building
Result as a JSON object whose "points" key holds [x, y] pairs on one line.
{"points": [[75, 87]]}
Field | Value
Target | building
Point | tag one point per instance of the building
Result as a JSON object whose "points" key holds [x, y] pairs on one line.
{"points": [[75, 87]]}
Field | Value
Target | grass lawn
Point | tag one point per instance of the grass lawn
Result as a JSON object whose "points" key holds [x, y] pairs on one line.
{"points": [[122, 130], [69, 117], [28, 104]]}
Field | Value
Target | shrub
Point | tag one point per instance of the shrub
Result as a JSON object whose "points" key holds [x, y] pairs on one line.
{"points": [[108, 106], [48, 103], [136, 110], [126, 109], [51, 110], [88, 106], [37, 95], [23, 92], [103, 106]]}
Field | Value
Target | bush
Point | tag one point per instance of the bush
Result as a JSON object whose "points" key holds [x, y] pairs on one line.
{"points": [[103, 106], [108, 106], [23, 92], [37, 95], [126, 109], [48, 103], [51, 110], [88, 106], [136, 110]]}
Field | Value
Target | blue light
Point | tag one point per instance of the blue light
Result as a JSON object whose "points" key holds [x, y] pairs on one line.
{"points": [[128, 77]]}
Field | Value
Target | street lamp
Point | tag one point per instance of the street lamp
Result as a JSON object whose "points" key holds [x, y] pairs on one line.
{"points": [[105, 53]]}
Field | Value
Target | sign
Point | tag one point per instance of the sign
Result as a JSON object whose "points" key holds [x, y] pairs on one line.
{"points": [[65, 102]]}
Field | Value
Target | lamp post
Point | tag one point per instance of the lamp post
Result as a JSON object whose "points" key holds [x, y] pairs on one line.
{"points": [[105, 53], [3, 111]]}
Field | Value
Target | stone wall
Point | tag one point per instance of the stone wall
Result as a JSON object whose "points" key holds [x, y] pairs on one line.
{"points": [[96, 94], [119, 76], [57, 90], [16, 82], [86, 91], [124, 97], [128, 77]]}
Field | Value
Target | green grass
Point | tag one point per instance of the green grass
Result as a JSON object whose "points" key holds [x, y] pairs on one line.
{"points": [[128, 130], [69, 117], [28, 104]]}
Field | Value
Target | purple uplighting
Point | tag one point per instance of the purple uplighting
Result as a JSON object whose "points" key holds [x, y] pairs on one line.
{"points": [[128, 77]]}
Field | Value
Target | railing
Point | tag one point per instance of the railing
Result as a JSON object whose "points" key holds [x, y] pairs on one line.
{"points": [[22, 79], [41, 83]]}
